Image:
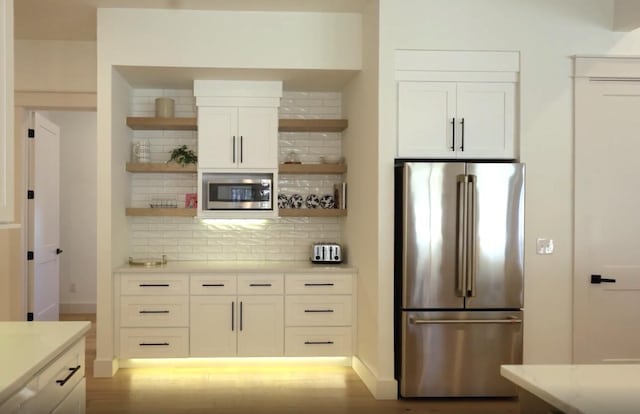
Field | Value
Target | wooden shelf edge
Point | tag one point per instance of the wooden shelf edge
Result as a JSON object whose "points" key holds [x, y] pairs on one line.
{"points": [[160, 212], [312, 168], [311, 212], [160, 168], [312, 125], [149, 123]]}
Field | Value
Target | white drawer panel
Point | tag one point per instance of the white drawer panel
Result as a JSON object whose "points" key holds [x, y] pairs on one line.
{"points": [[154, 284], [321, 341], [213, 284], [260, 284], [154, 342], [158, 311], [307, 310], [57, 380], [318, 284]]}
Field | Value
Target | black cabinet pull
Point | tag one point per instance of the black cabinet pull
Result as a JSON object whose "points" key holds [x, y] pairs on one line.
{"points": [[462, 135], [597, 279], [241, 315], [233, 316], [153, 311], [154, 344], [318, 310], [241, 149], [318, 342], [318, 284], [72, 372], [59, 250], [213, 285], [260, 284], [234, 149], [153, 285], [453, 134]]}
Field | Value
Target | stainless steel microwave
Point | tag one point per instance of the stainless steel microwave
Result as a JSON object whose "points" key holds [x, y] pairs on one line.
{"points": [[233, 191]]}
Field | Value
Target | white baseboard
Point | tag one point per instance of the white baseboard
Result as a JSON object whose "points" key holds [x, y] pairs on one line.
{"points": [[105, 368], [381, 389], [77, 308]]}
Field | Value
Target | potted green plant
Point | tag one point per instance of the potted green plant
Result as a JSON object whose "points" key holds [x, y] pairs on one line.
{"points": [[183, 156]]}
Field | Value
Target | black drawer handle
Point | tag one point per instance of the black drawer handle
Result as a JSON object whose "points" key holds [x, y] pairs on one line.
{"points": [[318, 284], [154, 344], [318, 310], [318, 342], [153, 285], [260, 284], [597, 279], [213, 285], [154, 311], [72, 372]]}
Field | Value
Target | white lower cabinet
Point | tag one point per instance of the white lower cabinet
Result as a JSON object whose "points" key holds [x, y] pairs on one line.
{"points": [[318, 341], [75, 402], [154, 342], [260, 327]]}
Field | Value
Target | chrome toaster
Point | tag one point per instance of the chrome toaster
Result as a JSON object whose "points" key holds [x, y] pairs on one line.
{"points": [[326, 253]]}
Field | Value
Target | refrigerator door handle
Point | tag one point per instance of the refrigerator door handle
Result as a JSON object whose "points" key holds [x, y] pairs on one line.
{"points": [[414, 321], [461, 253], [471, 237]]}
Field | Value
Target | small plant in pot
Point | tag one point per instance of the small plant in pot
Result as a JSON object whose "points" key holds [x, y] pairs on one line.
{"points": [[183, 156]]}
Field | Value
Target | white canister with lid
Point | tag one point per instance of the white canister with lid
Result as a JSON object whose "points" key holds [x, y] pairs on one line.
{"points": [[165, 108]]}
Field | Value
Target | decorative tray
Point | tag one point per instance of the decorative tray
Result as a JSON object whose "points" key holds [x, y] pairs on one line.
{"points": [[149, 262]]}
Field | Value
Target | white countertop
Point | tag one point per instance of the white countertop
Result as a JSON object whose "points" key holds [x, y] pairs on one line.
{"points": [[244, 267], [587, 389], [27, 347]]}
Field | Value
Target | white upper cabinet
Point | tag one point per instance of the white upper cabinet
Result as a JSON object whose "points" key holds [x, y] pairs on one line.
{"points": [[237, 124], [457, 104]]}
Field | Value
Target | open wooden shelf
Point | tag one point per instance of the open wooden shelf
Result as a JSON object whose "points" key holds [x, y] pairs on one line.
{"points": [[312, 168], [162, 167], [147, 123], [312, 212], [158, 212], [191, 124], [312, 125]]}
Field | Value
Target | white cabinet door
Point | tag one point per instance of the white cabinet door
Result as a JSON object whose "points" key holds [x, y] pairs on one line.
{"points": [[258, 143], [218, 137], [75, 402], [485, 115], [213, 326], [426, 111], [261, 326]]}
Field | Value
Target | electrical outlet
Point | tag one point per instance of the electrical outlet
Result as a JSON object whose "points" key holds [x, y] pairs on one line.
{"points": [[72, 288], [544, 246]]}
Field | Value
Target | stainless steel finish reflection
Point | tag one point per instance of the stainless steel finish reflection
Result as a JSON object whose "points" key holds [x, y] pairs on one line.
{"points": [[460, 357], [430, 217], [497, 276]]}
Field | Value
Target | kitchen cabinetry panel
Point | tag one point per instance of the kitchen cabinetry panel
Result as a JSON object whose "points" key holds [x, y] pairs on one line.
{"points": [[321, 310], [217, 137], [258, 143], [154, 342], [154, 311], [321, 284], [75, 402], [318, 341], [261, 327], [261, 284], [213, 284], [154, 284], [213, 326]]}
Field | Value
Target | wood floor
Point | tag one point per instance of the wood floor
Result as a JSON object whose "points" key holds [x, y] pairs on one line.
{"points": [[235, 390]]}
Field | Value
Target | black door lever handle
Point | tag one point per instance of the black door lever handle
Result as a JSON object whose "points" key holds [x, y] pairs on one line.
{"points": [[596, 279], [58, 250]]}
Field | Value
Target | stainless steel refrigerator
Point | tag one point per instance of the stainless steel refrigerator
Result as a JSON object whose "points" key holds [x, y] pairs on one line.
{"points": [[459, 277]]}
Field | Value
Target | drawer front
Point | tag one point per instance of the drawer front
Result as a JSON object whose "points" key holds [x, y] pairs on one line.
{"points": [[154, 342], [213, 284], [321, 341], [58, 380], [154, 284], [260, 284], [318, 284], [154, 311], [306, 310]]}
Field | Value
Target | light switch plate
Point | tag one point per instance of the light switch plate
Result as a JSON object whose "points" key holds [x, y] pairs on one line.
{"points": [[544, 246]]}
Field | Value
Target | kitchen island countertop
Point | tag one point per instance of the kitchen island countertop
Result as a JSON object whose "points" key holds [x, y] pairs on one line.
{"points": [[240, 267], [587, 389]]}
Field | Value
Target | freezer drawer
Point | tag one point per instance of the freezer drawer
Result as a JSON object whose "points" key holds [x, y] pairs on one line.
{"points": [[458, 354]]}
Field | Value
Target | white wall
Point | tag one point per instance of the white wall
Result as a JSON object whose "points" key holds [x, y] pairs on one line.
{"points": [[547, 33], [70, 66], [77, 209]]}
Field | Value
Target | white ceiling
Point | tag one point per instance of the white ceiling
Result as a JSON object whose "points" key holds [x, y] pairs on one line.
{"points": [[76, 19]]}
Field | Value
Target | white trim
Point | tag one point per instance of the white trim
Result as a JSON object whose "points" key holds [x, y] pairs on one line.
{"points": [[9, 226], [77, 308], [454, 60], [451, 76], [620, 67], [267, 102], [105, 368], [7, 194], [250, 89], [381, 389]]}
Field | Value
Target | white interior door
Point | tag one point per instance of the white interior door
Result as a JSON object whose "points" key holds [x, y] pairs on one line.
{"points": [[607, 221], [44, 180]]}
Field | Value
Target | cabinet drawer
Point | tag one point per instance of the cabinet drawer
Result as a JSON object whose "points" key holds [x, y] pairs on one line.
{"points": [[154, 284], [307, 310], [318, 284], [260, 284], [56, 381], [149, 311], [154, 342], [213, 284], [322, 341]]}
